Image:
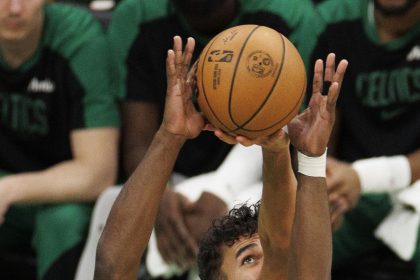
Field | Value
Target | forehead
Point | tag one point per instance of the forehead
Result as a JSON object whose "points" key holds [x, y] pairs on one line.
{"points": [[241, 245]]}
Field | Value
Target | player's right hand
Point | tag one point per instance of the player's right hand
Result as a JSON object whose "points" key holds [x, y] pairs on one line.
{"points": [[180, 117]]}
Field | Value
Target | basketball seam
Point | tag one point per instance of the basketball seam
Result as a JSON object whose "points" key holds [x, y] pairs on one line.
{"points": [[234, 77], [270, 92], [276, 123]]}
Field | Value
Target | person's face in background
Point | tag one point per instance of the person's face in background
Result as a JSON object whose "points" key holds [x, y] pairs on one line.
{"points": [[395, 7], [207, 16], [19, 19]]}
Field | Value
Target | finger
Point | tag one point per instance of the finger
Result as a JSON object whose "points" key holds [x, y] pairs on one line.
{"points": [[225, 137], [185, 203], [170, 68], [329, 68], [341, 207], [188, 53], [244, 141], [190, 245], [318, 76], [340, 72], [209, 127], [178, 55], [164, 249], [177, 248], [333, 93]]}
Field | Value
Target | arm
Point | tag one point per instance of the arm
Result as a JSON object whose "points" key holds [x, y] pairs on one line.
{"points": [[276, 214], [311, 249], [311, 253], [83, 178], [381, 174], [130, 223]]}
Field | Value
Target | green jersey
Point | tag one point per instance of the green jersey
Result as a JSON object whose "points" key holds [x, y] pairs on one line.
{"points": [[63, 87]]}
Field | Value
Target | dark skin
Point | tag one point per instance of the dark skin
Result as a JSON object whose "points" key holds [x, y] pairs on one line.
{"points": [[309, 133], [131, 220], [128, 229], [176, 242]]}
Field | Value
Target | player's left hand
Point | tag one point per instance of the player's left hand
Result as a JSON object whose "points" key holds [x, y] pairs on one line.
{"points": [[310, 131]]}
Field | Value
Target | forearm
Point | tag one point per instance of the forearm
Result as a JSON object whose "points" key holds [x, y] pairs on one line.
{"points": [[132, 217], [277, 210], [73, 180], [388, 174], [312, 237]]}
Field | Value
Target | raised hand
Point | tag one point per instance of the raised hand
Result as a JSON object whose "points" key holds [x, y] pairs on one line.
{"points": [[180, 117], [310, 131]]}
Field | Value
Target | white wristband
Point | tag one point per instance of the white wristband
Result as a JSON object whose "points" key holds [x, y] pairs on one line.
{"points": [[312, 166], [383, 174]]}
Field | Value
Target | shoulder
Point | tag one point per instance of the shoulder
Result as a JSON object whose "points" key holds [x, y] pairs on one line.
{"points": [[335, 11], [68, 28], [134, 12], [291, 12]]}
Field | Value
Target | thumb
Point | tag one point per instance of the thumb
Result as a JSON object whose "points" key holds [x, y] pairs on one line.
{"points": [[186, 204]]}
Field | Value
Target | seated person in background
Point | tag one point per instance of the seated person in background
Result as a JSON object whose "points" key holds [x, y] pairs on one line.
{"points": [[140, 33], [250, 254], [376, 141], [58, 130]]}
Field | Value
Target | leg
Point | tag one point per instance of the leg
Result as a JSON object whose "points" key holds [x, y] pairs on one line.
{"points": [[17, 259], [60, 232]]}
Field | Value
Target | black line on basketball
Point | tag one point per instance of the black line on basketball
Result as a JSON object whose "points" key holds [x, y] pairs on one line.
{"points": [[234, 75], [271, 90], [276, 123], [204, 89]]}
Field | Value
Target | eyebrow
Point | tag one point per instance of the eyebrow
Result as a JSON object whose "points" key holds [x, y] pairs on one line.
{"points": [[241, 250]]}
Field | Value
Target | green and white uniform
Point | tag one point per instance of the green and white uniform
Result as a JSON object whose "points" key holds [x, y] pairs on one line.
{"points": [[379, 107], [63, 87], [142, 31]]}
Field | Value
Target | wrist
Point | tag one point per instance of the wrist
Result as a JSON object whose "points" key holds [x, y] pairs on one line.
{"points": [[383, 174], [165, 135], [9, 192], [314, 166]]}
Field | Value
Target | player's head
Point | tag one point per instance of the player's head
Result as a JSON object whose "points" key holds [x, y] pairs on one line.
{"points": [[395, 7], [207, 16], [231, 249], [20, 18]]}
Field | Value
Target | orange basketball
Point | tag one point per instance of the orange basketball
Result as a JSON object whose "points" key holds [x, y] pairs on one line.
{"points": [[251, 80]]}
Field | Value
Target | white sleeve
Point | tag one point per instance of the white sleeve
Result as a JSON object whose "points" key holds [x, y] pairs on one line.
{"points": [[383, 174], [241, 169]]}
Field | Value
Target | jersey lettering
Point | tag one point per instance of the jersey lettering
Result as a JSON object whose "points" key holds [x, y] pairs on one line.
{"points": [[383, 89], [24, 114]]}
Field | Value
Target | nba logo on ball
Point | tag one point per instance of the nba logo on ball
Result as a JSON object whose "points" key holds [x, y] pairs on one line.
{"points": [[251, 80]]}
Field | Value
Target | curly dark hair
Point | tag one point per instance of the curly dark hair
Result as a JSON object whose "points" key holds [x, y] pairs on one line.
{"points": [[241, 221]]}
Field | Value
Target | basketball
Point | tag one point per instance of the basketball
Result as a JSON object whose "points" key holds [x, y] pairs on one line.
{"points": [[251, 81]]}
